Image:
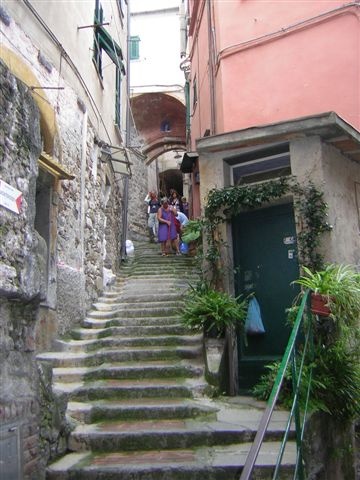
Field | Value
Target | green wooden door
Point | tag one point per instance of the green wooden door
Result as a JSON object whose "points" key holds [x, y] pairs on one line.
{"points": [[265, 257]]}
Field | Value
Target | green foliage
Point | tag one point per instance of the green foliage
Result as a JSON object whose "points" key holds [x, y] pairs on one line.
{"points": [[334, 359], [192, 231], [263, 388], [341, 286], [228, 202], [211, 310], [336, 376]]}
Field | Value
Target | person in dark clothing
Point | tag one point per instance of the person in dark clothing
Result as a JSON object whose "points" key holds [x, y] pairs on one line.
{"points": [[153, 206]]}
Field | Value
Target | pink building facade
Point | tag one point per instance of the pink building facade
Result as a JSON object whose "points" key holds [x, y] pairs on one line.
{"points": [[256, 62]]}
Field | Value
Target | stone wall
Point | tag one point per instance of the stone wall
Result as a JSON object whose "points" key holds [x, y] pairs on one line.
{"points": [[85, 235], [21, 287], [20, 145]]}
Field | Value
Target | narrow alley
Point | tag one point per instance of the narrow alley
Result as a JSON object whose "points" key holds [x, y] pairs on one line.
{"points": [[120, 359], [134, 381]]}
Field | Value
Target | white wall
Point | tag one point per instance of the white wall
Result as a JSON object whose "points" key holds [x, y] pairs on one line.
{"points": [[158, 26], [63, 18]]}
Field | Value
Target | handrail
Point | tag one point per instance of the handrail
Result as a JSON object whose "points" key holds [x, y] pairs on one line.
{"points": [[265, 419]]}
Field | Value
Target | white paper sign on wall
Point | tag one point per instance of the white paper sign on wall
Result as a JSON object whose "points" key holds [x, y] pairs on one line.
{"points": [[10, 197]]}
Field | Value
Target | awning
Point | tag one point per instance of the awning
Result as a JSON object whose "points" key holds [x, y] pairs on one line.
{"points": [[47, 163], [188, 161]]}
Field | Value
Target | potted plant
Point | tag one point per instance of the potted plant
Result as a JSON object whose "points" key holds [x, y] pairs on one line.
{"points": [[335, 290], [212, 311]]}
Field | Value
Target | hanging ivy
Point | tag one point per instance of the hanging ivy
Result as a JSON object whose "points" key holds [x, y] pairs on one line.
{"points": [[223, 204]]}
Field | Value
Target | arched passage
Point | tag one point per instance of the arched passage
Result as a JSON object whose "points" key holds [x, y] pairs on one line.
{"points": [[160, 119], [161, 122]]}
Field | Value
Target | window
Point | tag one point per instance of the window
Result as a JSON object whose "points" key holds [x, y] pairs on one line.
{"points": [[134, 48], [261, 165], [165, 126], [104, 41]]}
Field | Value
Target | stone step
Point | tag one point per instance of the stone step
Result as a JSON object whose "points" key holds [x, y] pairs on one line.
{"points": [[144, 311], [160, 434], [80, 359], [140, 304], [131, 389], [129, 326], [149, 409], [130, 370], [128, 340], [213, 463], [124, 327], [134, 381], [143, 296], [162, 278]]}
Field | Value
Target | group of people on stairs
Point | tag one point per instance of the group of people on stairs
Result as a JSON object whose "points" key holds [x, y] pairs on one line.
{"points": [[166, 219]]}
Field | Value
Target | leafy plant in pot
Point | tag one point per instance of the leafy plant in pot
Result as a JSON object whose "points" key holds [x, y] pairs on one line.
{"points": [[212, 310], [335, 290]]}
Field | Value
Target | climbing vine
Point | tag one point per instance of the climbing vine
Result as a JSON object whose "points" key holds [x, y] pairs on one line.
{"points": [[310, 207]]}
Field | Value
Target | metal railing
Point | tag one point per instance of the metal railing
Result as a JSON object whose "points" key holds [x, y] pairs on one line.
{"points": [[296, 359]]}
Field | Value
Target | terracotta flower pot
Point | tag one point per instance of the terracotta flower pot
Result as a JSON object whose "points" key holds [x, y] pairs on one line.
{"points": [[319, 305]]}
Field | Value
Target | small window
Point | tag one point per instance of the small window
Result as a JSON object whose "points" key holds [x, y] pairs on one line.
{"points": [[134, 48], [165, 126]]}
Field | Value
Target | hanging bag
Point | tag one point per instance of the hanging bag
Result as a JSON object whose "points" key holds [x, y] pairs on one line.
{"points": [[253, 322]]}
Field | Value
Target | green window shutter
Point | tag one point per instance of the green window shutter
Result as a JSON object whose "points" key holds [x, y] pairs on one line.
{"points": [[98, 18], [108, 44], [134, 48]]}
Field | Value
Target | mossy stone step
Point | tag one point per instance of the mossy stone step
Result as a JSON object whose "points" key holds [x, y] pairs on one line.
{"points": [[130, 370], [118, 326], [141, 340], [212, 463], [63, 359], [131, 389], [151, 409]]}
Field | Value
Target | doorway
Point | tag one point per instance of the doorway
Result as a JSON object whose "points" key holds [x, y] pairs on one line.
{"points": [[265, 261]]}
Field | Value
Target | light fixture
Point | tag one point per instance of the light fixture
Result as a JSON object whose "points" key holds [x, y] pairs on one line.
{"points": [[117, 156], [177, 155], [105, 154]]}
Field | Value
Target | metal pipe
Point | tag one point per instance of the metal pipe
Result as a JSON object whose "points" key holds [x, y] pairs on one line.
{"points": [[211, 69], [125, 202]]}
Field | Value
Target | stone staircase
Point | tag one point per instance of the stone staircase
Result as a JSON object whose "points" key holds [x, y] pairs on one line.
{"points": [[135, 385]]}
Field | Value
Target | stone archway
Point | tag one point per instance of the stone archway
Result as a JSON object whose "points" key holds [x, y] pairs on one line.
{"points": [[160, 119]]}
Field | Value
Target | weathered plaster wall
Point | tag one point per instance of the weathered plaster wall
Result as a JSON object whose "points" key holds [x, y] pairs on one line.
{"points": [[335, 175], [341, 176]]}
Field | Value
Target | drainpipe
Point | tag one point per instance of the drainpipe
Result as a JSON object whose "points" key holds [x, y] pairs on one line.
{"points": [[211, 68], [125, 202]]}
